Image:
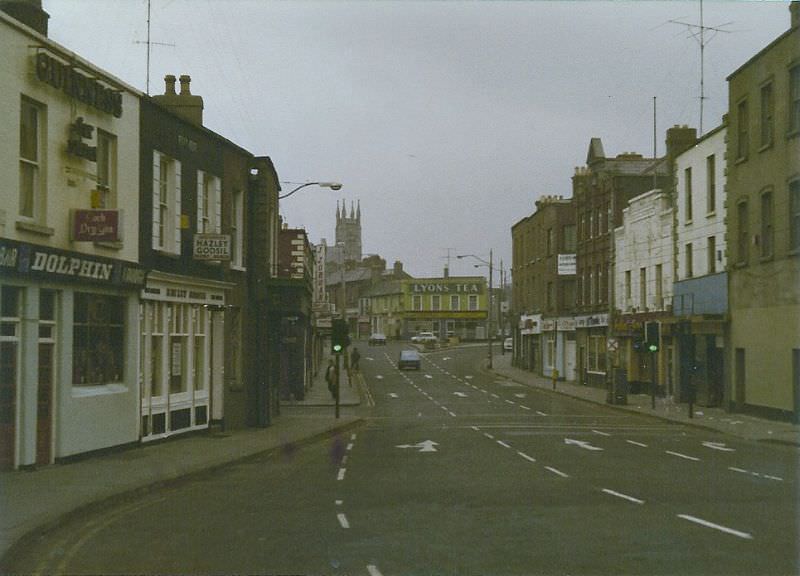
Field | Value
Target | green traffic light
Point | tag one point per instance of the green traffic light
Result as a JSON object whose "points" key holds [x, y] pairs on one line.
{"points": [[337, 348], [653, 348]]}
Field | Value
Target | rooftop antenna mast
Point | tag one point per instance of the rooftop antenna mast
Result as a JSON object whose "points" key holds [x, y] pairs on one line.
{"points": [[149, 44], [698, 32], [448, 257]]}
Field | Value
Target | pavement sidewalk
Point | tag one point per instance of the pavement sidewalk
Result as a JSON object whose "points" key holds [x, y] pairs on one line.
{"points": [[716, 419], [31, 502]]}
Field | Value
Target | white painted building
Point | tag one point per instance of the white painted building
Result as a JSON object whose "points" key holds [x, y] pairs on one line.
{"points": [[69, 278], [700, 189], [644, 255]]}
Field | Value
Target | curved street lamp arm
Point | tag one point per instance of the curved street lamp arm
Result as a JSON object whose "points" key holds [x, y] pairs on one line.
{"points": [[331, 185]]}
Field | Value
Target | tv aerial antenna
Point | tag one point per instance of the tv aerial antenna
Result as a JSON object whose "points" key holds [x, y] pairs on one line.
{"points": [[149, 45], [703, 34]]}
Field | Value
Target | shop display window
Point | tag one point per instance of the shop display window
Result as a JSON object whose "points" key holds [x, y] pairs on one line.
{"points": [[98, 339]]}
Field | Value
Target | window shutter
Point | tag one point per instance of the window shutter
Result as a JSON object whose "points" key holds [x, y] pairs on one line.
{"points": [[177, 191], [156, 243], [217, 205]]}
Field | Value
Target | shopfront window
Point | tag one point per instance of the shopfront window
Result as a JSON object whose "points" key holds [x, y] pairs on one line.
{"points": [[98, 339], [597, 354]]}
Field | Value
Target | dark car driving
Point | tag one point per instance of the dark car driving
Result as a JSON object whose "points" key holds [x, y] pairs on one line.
{"points": [[409, 359]]}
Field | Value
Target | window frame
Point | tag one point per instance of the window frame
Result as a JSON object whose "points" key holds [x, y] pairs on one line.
{"points": [[766, 115], [36, 197], [793, 108], [794, 216], [743, 232], [106, 178], [742, 130], [711, 184], [687, 194], [767, 229]]}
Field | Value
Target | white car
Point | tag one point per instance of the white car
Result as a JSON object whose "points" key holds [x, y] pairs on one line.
{"points": [[424, 337], [508, 344]]}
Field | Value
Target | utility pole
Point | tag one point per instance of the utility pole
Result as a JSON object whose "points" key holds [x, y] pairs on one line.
{"points": [[489, 310]]}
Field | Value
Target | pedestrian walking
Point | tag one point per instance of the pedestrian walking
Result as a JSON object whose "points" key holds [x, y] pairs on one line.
{"points": [[355, 356], [330, 377]]}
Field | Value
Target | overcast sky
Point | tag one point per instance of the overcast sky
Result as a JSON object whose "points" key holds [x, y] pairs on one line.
{"points": [[447, 120]]}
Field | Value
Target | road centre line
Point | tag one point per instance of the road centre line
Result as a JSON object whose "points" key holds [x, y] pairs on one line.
{"points": [[719, 527], [338, 502], [528, 458], [343, 520], [510, 402], [758, 474], [540, 413], [352, 436], [601, 433], [373, 570], [524, 407], [503, 444], [495, 395], [555, 471], [475, 428], [679, 455], [451, 414], [342, 471], [624, 496], [489, 436], [349, 446], [636, 443]]}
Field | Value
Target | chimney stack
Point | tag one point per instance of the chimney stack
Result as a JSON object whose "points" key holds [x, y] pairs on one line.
{"points": [[794, 10], [29, 12], [183, 104]]}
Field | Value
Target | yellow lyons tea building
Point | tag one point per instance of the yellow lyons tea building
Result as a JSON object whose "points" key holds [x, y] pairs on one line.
{"points": [[450, 307]]}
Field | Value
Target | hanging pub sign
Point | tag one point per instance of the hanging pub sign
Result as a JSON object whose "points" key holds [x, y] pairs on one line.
{"points": [[78, 132], [96, 226], [212, 247]]}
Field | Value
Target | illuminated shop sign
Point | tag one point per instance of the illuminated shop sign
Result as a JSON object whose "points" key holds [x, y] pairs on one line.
{"points": [[66, 78]]}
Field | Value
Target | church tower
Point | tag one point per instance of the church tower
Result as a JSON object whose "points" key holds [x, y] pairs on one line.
{"points": [[348, 231]]}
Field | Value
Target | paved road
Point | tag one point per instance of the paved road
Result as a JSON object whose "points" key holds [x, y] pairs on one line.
{"points": [[458, 472]]}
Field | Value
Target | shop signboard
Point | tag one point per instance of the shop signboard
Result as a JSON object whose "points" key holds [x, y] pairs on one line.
{"points": [[567, 264], [96, 225], [212, 247]]}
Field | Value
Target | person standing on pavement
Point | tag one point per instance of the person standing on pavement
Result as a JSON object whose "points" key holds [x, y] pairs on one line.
{"points": [[330, 377], [355, 356]]}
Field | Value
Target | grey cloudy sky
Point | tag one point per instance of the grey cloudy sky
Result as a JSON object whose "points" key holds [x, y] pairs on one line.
{"points": [[447, 120]]}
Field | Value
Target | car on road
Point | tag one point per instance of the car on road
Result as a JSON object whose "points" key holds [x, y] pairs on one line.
{"points": [[424, 338], [508, 344], [409, 359], [377, 339]]}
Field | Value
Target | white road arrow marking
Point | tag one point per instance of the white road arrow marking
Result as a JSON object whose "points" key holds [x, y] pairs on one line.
{"points": [[718, 446], [459, 394], [581, 443], [426, 446]]}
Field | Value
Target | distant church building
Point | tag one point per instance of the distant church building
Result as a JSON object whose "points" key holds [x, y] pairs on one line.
{"points": [[348, 236]]}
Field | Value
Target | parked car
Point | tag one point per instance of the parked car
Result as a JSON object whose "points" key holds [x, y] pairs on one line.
{"points": [[508, 344], [377, 339], [424, 337], [409, 359]]}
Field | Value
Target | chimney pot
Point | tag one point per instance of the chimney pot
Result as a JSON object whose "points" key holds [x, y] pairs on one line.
{"points": [[169, 84], [185, 81]]}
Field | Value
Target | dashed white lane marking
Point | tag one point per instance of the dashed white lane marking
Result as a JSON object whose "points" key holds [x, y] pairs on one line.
{"points": [[352, 436], [343, 520], [636, 443], [349, 446], [524, 407], [373, 570], [679, 455], [475, 428], [528, 458], [468, 377], [601, 433], [495, 395], [767, 476], [623, 496], [489, 436], [503, 444], [344, 459], [540, 413], [555, 471], [719, 527], [338, 502], [342, 471], [510, 402], [451, 414]]}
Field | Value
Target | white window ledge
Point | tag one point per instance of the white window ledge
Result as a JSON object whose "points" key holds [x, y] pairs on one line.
{"points": [[98, 390]]}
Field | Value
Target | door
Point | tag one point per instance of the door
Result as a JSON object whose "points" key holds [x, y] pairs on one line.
{"points": [[10, 306], [569, 360], [740, 378], [44, 396]]}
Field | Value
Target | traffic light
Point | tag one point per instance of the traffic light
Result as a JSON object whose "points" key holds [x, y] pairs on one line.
{"points": [[339, 336], [652, 336]]}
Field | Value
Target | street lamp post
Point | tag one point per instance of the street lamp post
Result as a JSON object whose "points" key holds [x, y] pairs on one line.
{"points": [[331, 185], [488, 302]]}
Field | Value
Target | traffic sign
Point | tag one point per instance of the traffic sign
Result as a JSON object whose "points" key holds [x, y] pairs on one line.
{"points": [[613, 344]]}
